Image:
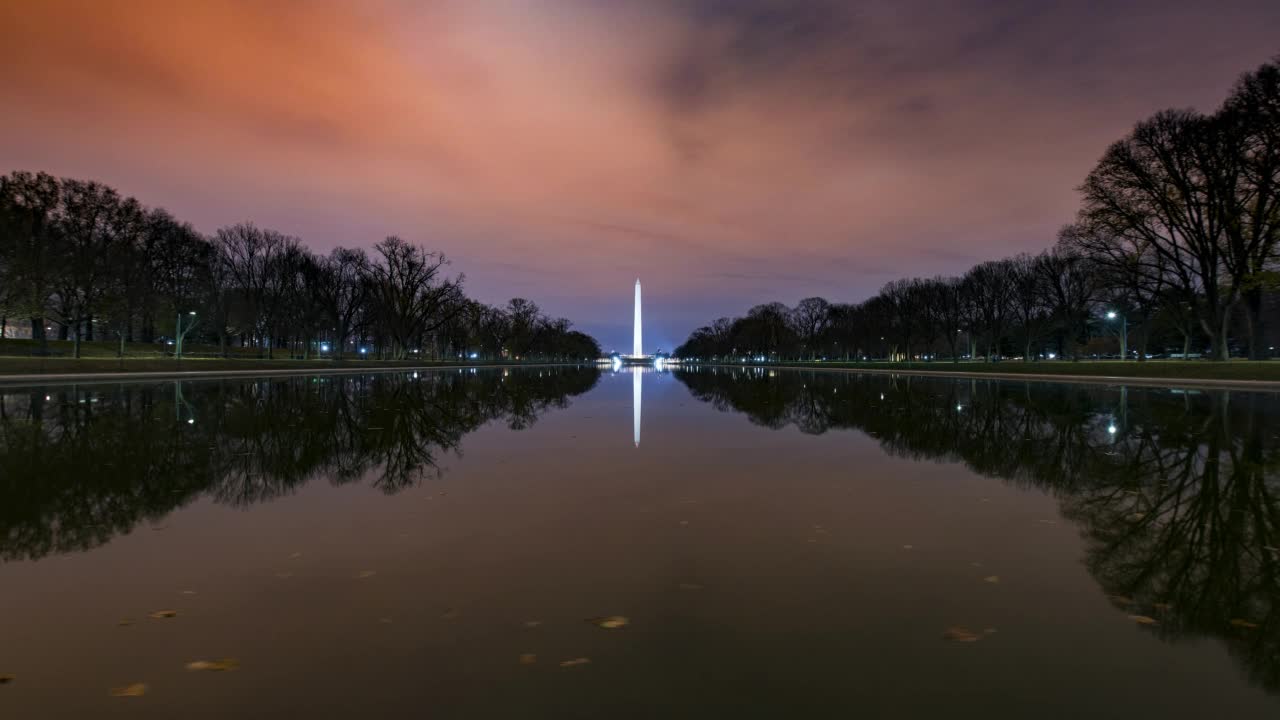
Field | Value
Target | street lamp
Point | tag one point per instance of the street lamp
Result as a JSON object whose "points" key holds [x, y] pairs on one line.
{"points": [[1124, 333], [177, 346]]}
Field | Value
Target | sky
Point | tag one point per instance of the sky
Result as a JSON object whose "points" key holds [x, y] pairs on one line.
{"points": [[726, 152]]}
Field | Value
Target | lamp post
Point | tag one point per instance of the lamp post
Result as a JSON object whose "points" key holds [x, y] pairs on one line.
{"points": [[177, 353], [1124, 333]]}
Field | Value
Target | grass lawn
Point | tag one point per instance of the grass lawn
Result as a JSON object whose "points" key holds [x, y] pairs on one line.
{"points": [[1160, 369]]}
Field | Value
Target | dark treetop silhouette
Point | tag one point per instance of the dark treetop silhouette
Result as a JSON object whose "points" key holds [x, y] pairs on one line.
{"points": [[77, 255], [1176, 244]]}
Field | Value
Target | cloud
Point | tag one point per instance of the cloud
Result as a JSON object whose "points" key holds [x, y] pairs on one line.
{"points": [[720, 149]]}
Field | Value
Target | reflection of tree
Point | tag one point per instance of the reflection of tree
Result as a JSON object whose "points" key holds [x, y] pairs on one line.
{"points": [[79, 465], [1177, 493]]}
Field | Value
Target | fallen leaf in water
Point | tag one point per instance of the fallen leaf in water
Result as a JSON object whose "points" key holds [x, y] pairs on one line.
{"points": [[223, 665], [1048, 522], [1135, 517], [988, 631], [690, 586], [366, 574], [959, 634], [976, 564], [6, 679], [684, 522], [532, 623], [158, 528], [908, 547], [188, 592], [284, 575], [125, 622], [1143, 620], [295, 556], [449, 614], [575, 661], [528, 659], [163, 614], [1121, 600], [384, 620], [1162, 606], [1242, 623], [134, 690], [993, 579], [610, 622]]}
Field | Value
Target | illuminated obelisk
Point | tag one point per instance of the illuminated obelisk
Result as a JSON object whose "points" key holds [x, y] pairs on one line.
{"points": [[637, 347]]}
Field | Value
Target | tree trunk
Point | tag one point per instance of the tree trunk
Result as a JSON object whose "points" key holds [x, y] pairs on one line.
{"points": [[77, 324], [1253, 321]]}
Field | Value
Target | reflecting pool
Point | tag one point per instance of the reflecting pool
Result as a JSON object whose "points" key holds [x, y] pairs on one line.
{"points": [[532, 543]]}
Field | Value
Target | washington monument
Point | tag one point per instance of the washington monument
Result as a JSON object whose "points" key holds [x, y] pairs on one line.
{"points": [[637, 347]]}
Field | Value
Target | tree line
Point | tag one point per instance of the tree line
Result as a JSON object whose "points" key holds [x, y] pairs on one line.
{"points": [[1175, 243], [80, 260]]}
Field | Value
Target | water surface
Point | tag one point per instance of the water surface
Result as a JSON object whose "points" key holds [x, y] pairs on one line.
{"points": [[782, 544]]}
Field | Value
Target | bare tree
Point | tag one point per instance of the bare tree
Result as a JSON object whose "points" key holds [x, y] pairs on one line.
{"points": [[410, 293], [810, 319]]}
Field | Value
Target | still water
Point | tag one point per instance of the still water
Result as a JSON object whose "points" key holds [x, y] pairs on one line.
{"points": [[568, 543]]}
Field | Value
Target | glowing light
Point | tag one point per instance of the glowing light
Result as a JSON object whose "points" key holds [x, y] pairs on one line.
{"points": [[637, 347], [1111, 315], [475, 355], [1112, 429], [191, 421], [324, 347]]}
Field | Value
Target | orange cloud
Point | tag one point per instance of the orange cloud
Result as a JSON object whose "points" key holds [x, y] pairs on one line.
{"points": [[727, 152]]}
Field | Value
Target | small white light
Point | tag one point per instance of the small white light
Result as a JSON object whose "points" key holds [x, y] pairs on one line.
{"points": [[1111, 429], [191, 421]]}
